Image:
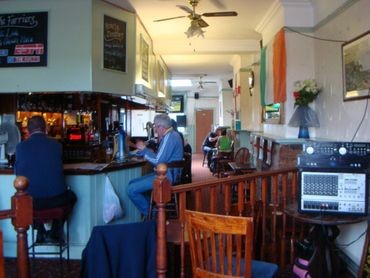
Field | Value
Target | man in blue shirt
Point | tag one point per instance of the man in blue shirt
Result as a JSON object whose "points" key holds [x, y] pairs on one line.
{"points": [[40, 159], [170, 149]]}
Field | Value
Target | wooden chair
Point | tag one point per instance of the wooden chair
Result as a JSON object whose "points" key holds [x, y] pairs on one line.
{"points": [[221, 246], [221, 160], [21, 216]]}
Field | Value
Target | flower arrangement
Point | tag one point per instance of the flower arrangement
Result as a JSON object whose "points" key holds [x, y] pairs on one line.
{"points": [[305, 92]]}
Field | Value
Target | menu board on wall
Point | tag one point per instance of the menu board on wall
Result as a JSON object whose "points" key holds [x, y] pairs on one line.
{"points": [[23, 39], [114, 44]]}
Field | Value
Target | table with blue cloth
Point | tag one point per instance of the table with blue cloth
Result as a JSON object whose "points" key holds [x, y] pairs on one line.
{"points": [[123, 250]]}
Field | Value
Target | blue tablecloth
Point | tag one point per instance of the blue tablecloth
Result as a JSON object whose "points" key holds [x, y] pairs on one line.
{"points": [[124, 250]]}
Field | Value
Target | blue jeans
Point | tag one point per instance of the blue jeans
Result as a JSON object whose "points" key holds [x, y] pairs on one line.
{"points": [[209, 151], [137, 191]]}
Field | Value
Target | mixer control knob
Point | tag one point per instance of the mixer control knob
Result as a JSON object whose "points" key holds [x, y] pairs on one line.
{"points": [[309, 150], [342, 150]]}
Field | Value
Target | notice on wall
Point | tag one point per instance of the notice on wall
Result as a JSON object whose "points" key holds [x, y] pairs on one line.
{"points": [[23, 39], [114, 44]]}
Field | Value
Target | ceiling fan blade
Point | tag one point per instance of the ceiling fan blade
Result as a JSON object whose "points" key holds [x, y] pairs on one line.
{"points": [[232, 13], [202, 23], [185, 8], [169, 18]]}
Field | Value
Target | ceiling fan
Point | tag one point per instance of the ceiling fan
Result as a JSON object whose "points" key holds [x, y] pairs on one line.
{"points": [[201, 82], [197, 23]]}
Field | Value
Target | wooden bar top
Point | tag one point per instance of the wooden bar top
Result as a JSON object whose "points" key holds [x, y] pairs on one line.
{"points": [[89, 168]]}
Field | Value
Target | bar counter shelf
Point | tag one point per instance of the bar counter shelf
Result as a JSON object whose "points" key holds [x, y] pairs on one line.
{"points": [[88, 181]]}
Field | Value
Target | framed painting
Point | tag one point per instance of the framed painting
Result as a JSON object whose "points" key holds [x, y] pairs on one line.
{"points": [[356, 67], [144, 53]]}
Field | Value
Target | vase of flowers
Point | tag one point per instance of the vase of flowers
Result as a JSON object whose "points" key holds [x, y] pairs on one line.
{"points": [[304, 117]]}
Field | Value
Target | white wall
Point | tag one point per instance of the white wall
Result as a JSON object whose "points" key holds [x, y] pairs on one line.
{"points": [[339, 119], [69, 48], [105, 80]]}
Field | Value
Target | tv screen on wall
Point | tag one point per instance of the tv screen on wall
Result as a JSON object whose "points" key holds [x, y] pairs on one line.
{"points": [[177, 104], [181, 120]]}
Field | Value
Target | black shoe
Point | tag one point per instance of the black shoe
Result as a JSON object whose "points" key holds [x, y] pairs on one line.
{"points": [[40, 237], [54, 237]]}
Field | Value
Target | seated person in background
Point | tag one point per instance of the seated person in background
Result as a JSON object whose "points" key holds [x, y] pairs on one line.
{"points": [[209, 144], [39, 158], [224, 146], [224, 142], [170, 149], [187, 147]]}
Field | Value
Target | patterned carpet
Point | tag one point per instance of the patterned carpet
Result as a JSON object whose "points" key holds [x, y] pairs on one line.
{"points": [[46, 268]]}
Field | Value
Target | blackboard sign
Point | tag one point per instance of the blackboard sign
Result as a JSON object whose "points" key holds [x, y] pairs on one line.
{"points": [[114, 44], [23, 39]]}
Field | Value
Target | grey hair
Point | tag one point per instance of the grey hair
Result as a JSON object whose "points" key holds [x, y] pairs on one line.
{"points": [[163, 120]]}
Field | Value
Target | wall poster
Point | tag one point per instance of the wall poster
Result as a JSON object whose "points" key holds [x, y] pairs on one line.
{"points": [[144, 53], [161, 79], [356, 67], [23, 39], [114, 44]]}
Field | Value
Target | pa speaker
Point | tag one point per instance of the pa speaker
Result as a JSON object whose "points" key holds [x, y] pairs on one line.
{"points": [[196, 95], [230, 81]]}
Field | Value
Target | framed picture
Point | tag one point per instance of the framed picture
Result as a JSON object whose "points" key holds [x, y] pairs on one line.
{"points": [[114, 44], [160, 79], [144, 53], [356, 67]]}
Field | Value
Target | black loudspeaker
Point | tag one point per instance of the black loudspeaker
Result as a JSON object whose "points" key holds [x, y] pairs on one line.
{"points": [[230, 81], [196, 95]]}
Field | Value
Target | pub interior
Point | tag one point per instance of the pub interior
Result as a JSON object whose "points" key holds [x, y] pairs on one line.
{"points": [[90, 91]]}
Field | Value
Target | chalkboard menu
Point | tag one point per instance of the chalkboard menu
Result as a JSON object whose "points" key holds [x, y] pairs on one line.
{"points": [[114, 44], [23, 39]]}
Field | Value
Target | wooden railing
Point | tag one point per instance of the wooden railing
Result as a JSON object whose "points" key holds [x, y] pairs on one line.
{"points": [[263, 195], [21, 216]]}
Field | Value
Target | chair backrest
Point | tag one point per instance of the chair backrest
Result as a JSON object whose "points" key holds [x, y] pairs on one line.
{"points": [[242, 155], [220, 245]]}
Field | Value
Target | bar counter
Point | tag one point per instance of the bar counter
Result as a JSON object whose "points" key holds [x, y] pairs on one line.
{"points": [[87, 180]]}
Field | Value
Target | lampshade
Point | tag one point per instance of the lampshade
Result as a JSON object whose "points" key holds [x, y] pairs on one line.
{"points": [[194, 30], [304, 116]]}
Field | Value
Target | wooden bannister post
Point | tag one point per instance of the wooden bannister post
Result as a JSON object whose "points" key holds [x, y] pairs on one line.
{"points": [[161, 195], [21, 205]]}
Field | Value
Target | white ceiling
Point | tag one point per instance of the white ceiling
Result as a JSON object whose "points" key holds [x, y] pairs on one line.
{"points": [[210, 55]]}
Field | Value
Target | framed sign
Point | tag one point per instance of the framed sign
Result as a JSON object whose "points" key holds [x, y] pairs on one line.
{"points": [[160, 79], [23, 39], [144, 53], [114, 44], [356, 67]]}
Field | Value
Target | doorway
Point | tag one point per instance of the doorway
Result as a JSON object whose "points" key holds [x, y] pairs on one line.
{"points": [[204, 124]]}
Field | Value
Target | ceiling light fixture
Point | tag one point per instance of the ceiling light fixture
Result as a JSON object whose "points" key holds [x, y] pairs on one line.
{"points": [[194, 30]]}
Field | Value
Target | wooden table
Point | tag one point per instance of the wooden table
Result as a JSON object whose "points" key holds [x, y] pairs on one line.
{"points": [[242, 168], [324, 261]]}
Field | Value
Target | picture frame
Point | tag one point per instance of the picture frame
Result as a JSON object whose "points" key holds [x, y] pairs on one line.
{"points": [[356, 67], [144, 53]]}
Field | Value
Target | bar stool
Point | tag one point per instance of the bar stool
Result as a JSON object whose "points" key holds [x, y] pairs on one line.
{"points": [[171, 207], [42, 248]]}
